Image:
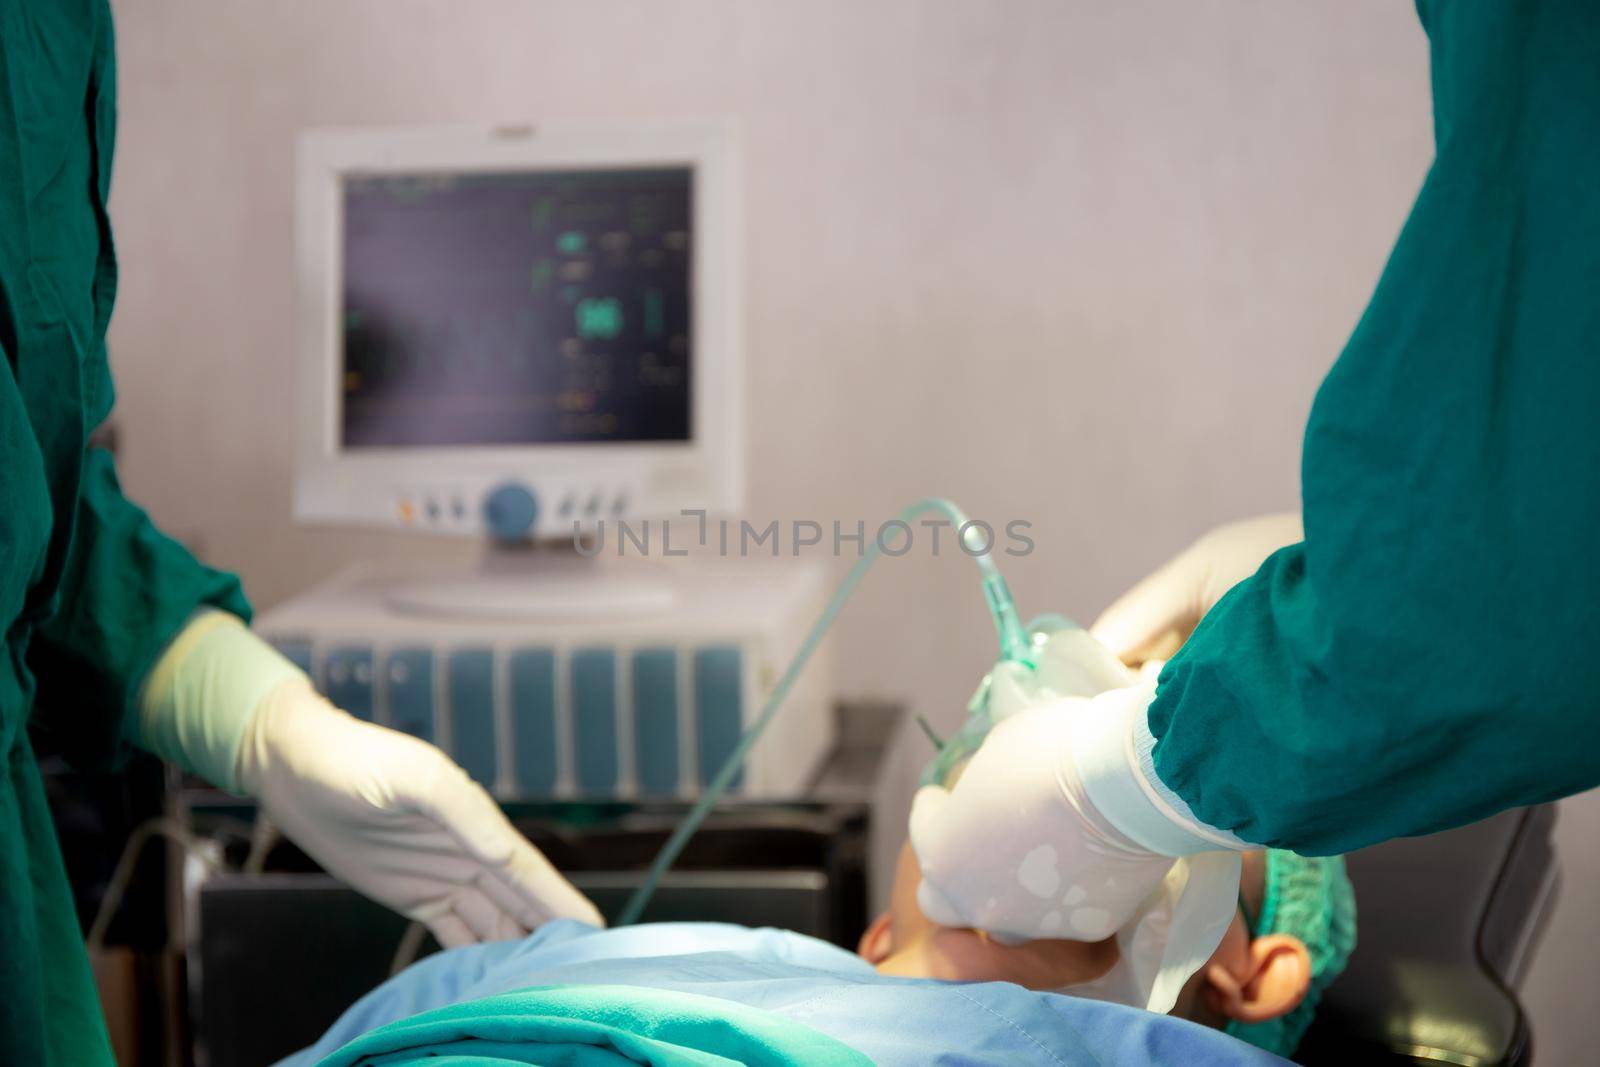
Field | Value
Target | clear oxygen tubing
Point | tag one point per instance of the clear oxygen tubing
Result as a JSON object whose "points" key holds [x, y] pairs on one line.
{"points": [[1014, 645]]}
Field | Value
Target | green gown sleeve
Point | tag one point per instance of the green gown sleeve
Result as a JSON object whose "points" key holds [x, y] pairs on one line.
{"points": [[120, 589], [127, 589], [1430, 654]]}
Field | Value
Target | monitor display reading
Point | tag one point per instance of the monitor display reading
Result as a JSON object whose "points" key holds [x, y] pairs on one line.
{"points": [[548, 307]]}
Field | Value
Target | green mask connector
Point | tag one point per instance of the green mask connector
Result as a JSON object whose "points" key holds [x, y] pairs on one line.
{"points": [[1062, 660]]}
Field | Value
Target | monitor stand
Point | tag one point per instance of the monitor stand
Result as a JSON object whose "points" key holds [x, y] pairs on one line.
{"points": [[538, 582]]}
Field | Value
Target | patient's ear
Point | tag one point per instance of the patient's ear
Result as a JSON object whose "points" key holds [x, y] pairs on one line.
{"points": [[1276, 975], [877, 942]]}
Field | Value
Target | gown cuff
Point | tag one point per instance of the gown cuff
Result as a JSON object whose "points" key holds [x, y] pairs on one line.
{"points": [[1144, 744], [1111, 746], [201, 694]]}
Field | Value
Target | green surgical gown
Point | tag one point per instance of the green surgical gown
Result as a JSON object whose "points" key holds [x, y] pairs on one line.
{"points": [[1430, 654], [90, 591]]}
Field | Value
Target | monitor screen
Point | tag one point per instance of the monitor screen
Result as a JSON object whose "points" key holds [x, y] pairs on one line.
{"points": [[526, 308]]}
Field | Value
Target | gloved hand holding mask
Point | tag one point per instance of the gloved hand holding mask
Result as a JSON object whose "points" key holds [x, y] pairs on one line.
{"points": [[1036, 822]]}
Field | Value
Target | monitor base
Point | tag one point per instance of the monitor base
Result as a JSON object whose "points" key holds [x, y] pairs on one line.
{"points": [[537, 583]]}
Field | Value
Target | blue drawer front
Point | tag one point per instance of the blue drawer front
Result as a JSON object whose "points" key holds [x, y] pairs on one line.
{"points": [[472, 712], [717, 698], [594, 719], [533, 720], [297, 652], [655, 719], [409, 675], [347, 679]]}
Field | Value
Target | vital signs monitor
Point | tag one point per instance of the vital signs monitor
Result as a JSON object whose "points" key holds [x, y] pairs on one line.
{"points": [[509, 330]]}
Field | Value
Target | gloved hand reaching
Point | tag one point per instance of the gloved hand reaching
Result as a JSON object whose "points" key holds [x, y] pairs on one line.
{"points": [[386, 812], [395, 818], [1153, 618]]}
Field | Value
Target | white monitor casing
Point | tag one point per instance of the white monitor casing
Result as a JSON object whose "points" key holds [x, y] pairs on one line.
{"points": [[442, 490]]}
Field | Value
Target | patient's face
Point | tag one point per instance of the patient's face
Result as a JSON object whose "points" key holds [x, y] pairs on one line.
{"points": [[1249, 979]]}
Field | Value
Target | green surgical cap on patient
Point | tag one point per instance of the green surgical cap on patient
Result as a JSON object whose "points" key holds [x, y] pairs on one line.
{"points": [[1309, 898]]}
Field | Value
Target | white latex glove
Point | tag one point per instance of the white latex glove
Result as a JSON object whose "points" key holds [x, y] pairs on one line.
{"points": [[393, 817], [1153, 618], [1019, 849]]}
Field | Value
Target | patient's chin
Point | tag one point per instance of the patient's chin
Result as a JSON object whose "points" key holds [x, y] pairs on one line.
{"points": [[969, 956]]}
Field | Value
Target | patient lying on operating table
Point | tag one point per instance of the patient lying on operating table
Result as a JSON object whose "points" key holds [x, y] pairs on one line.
{"points": [[916, 993]]}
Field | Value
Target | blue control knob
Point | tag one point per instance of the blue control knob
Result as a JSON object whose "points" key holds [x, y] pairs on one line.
{"points": [[509, 511]]}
